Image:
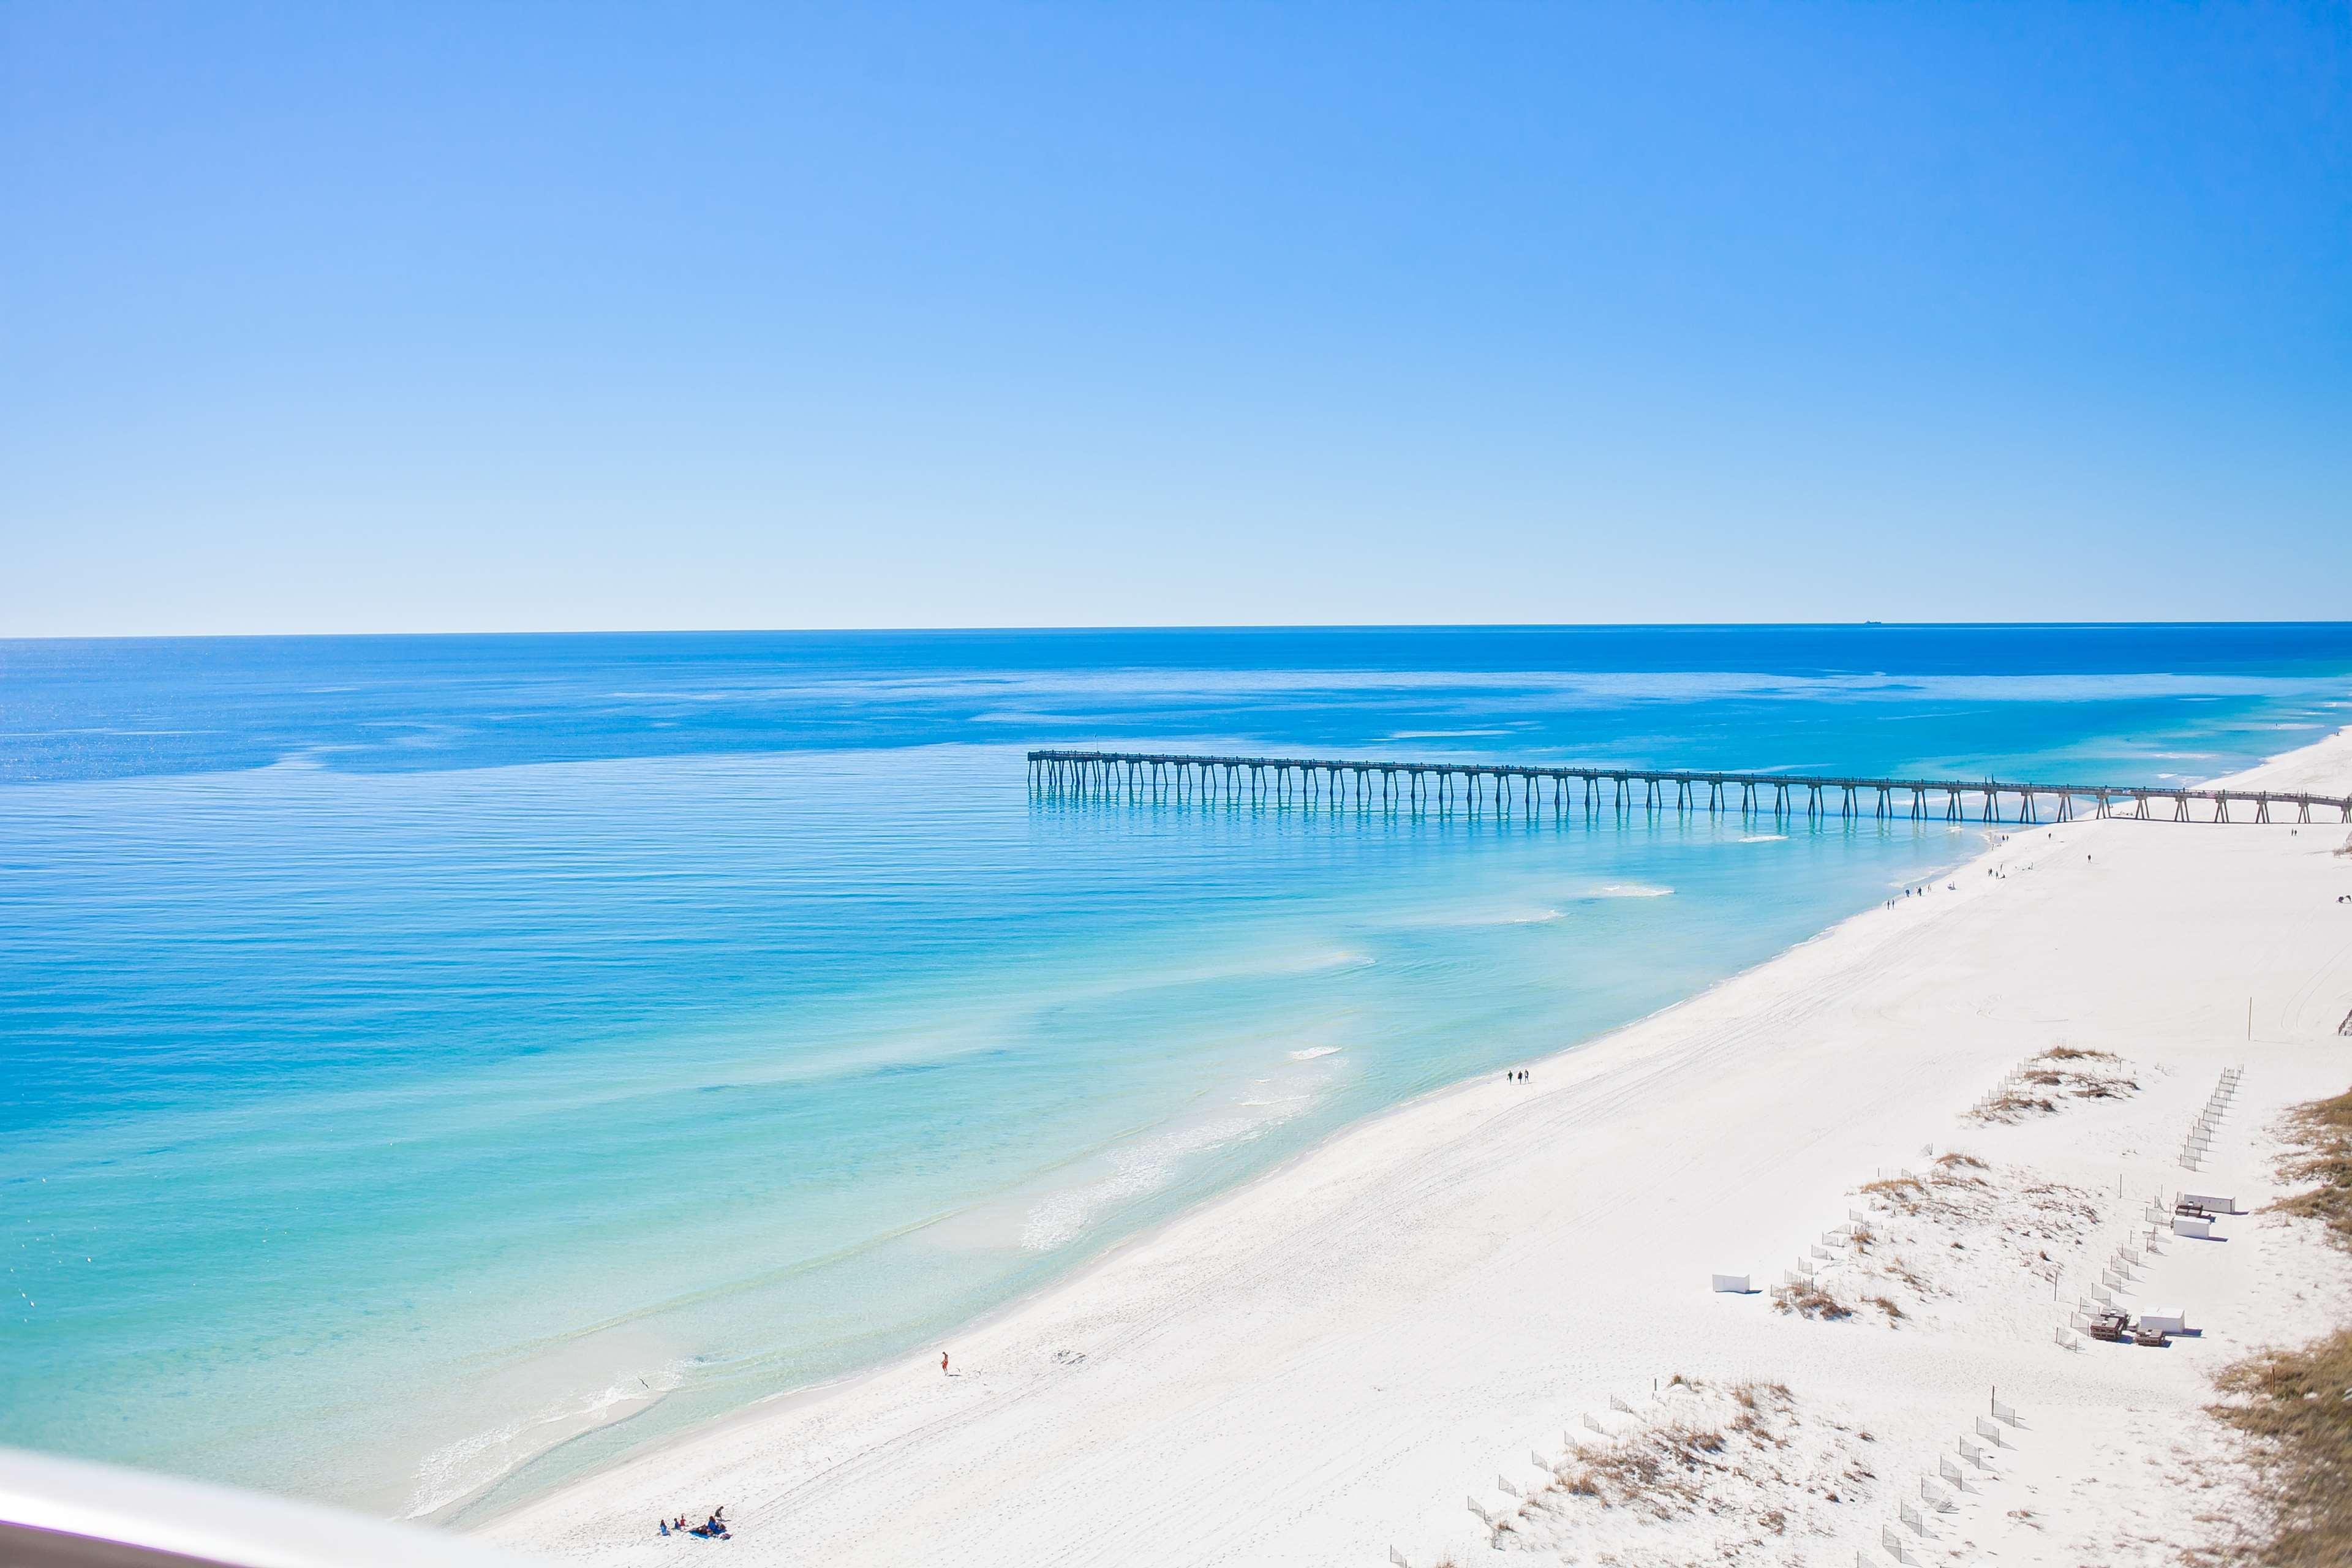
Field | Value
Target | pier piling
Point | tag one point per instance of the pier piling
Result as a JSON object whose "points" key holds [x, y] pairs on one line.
{"points": [[1393, 784]]}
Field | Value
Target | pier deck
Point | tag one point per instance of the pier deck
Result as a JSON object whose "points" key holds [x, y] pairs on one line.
{"points": [[1444, 785]]}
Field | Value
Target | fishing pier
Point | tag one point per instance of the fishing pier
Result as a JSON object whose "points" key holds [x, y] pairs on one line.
{"points": [[1595, 790]]}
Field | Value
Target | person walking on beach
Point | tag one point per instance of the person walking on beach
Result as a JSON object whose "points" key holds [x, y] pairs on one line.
{"points": [[943, 1364]]}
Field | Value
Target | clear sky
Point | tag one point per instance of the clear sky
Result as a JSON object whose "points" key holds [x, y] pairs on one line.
{"points": [[394, 317]]}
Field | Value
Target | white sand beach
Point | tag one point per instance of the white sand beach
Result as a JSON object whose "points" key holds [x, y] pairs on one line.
{"points": [[1429, 1310]]}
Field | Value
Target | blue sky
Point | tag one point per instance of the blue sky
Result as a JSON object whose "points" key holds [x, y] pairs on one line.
{"points": [[415, 318]]}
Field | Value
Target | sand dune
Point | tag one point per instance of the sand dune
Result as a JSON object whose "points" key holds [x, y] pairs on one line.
{"points": [[1341, 1358]]}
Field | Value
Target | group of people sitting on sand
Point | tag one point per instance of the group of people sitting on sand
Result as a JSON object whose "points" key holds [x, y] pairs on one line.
{"points": [[712, 1529]]}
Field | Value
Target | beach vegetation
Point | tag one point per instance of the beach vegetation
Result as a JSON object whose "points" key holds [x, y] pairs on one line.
{"points": [[1755, 1401], [1896, 1268], [1662, 1469], [2319, 1138], [1741, 1461], [1961, 1217], [1904, 1192], [1808, 1299], [2046, 1081], [2294, 1407], [2014, 1104]]}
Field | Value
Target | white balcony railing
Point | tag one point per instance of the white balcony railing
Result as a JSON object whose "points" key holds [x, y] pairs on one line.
{"points": [[63, 1513]]}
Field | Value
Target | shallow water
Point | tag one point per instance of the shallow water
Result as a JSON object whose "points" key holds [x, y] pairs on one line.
{"points": [[424, 1054]]}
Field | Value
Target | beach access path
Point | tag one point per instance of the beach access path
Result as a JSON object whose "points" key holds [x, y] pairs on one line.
{"points": [[1334, 1361]]}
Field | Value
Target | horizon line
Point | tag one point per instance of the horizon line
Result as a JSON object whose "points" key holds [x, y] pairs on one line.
{"points": [[1074, 628]]}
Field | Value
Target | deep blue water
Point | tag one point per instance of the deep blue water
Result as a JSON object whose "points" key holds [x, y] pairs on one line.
{"points": [[441, 1063]]}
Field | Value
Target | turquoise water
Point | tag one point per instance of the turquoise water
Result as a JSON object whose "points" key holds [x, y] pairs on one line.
{"points": [[436, 1066]]}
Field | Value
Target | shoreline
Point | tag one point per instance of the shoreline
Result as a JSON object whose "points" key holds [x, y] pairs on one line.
{"points": [[828, 1435], [459, 1516]]}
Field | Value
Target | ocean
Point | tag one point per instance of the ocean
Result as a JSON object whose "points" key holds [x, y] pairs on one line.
{"points": [[434, 1066]]}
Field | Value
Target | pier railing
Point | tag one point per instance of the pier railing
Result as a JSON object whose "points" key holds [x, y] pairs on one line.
{"points": [[1503, 787]]}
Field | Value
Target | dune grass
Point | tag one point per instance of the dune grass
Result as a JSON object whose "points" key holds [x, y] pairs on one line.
{"points": [[2296, 1405], [2056, 1076], [2322, 1133], [2298, 1408], [1808, 1299]]}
